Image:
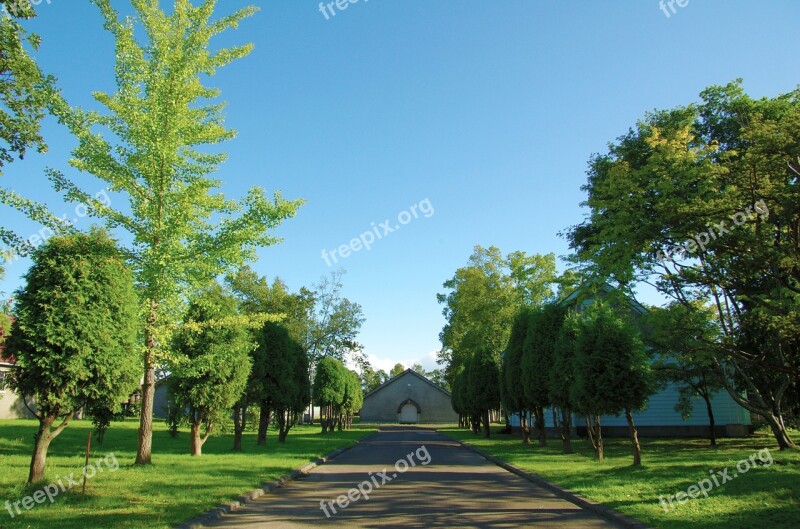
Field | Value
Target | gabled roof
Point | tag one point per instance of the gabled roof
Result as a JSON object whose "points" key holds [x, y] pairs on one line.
{"points": [[401, 375], [585, 289]]}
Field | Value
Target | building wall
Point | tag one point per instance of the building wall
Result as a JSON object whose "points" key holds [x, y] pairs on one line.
{"points": [[382, 404], [660, 419], [160, 400], [11, 406]]}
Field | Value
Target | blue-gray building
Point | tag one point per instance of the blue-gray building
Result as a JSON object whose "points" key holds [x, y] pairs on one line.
{"points": [[659, 418]]}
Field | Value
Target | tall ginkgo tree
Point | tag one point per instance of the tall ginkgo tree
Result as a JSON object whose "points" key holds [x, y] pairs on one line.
{"points": [[152, 146]]}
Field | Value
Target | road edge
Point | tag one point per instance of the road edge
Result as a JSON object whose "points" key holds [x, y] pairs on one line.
{"points": [[200, 521], [612, 515]]}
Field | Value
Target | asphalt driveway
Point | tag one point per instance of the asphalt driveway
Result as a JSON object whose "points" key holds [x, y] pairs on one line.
{"points": [[438, 484]]}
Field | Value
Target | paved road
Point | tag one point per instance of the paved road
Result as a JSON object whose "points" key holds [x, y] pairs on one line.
{"points": [[457, 488]]}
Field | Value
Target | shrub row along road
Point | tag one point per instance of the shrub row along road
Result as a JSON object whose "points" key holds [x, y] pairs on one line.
{"points": [[456, 488]]}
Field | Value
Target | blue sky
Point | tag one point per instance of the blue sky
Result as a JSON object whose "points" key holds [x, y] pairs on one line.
{"points": [[489, 110]]}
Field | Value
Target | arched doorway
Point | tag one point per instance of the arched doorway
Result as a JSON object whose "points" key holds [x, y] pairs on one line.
{"points": [[408, 412]]}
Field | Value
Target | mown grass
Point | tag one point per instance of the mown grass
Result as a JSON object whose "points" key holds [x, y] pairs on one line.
{"points": [[175, 488], [764, 497]]}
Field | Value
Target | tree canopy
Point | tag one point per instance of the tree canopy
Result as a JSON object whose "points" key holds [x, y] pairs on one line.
{"points": [[703, 201], [155, 145], [482, 299], [212, 365], [75, 333]]}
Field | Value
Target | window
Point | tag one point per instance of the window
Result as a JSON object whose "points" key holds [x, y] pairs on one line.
{"points": [[3, 381]]}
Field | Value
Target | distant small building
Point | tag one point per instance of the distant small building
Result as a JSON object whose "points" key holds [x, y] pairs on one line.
{"points": [[11, 405], [408, 398]]}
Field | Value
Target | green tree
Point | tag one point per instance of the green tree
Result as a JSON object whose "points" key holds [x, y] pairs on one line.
{"points": [[287, 387], [329, 390], [513, 391], [703, 201], [74, 336], [352, 401], [483, 387], [537, 360], [562, 377], [256, 296], [439, 377], [398, 369], [371, 379], [482, 299], [680, 338], [23, 86], [276, 383], [335, 323], [24, 91], [459, 400], [301, 390], [212, 363], [152, 148], [612, 373]]}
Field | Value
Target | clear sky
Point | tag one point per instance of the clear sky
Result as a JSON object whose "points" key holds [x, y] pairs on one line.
{"points": [[487, 110]]}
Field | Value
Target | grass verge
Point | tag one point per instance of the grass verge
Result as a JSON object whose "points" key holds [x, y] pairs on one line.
{"points": [[175, 488], [765, 496]]}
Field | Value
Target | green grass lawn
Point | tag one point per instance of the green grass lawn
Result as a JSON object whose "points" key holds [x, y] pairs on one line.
{"points": [[175, 488], [763, 497]]}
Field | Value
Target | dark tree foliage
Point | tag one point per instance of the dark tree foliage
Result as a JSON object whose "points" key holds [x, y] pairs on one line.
{"points": [[73, 335], [329, 390], [562, 377], [483, 386], [703, 202], [682, 341], [285, 369], [612, 373], [213, 364], [23, 87], [537, 360], [513, 392]]}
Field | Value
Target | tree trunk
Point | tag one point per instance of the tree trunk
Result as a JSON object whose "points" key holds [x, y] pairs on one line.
{"points": [[507, 428], [635, 446], [566, 431], [711, 422], [595, 433], [197, 440], [40, 446], [540, 426], [779, 431], [144, 450], [526, 430], [487, 424], [44, 436], [239, 425], [263, 423], [324, 413], [283, 425], [761, 407]]}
